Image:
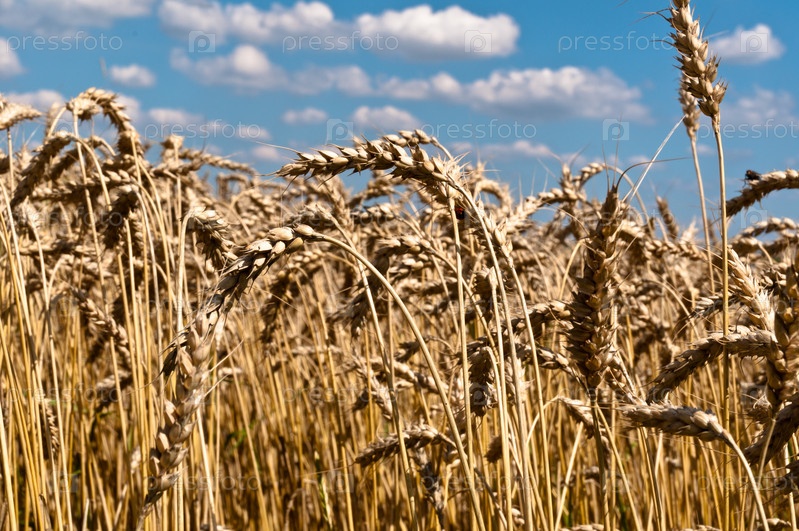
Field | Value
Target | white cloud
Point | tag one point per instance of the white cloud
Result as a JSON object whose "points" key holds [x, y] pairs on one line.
{"points": [[539, 94], [174, 116], [304, 18], [309, 115], [245, 21], [159, 122], [219, 128], [56, 16], [445, 85], [162, 122], [519, 148], [246, 67], [132, 75], [132, 106], [39, 99], [460, 148], [270, 153], [748, 46], [639, 161], [384, 119], [9, 62], [546, 94], [351, 80], [180, 18], [763, 107], [413, 89], [542, 94], [249, 68], [423, 34], [416, 33], [703, 149]]}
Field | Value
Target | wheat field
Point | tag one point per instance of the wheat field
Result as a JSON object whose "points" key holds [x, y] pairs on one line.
{"points": [[190, 343]]}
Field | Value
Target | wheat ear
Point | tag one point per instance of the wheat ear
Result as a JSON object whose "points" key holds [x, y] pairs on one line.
{"points": [[188, 356]]}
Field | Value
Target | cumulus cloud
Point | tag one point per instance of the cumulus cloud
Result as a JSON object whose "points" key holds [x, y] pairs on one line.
{"points": [[250, 23], [132, 107], [519, 148], [270, 153], [539, 94], [174, 116], [181, 18], [56, 16], [9, 62], [246, 131], [245, 22], [451, 33], [249, 68], [309, 115], [40, 99], [351, 80], [543, 94], [415, 33], [384, 119], [246, 67], [132, 75], [158, 123], [155, 123], [763, 107], [748, 46], [567, 92], [162, 122]]}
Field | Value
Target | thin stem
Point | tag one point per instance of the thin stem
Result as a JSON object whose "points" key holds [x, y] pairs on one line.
{"points": [[761, 511], [388, 364], [453, 425], [705, 220], [725, 308], [462, 339]]}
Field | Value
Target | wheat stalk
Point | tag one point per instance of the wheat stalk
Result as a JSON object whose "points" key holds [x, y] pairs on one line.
{"points": [[188, 356]]}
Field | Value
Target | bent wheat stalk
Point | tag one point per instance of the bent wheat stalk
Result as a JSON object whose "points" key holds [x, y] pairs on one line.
{"points": [[188, 356], [692, 422]]}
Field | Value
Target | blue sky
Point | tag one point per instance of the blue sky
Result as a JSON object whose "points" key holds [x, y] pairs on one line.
{"points": [[519, 85]]}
